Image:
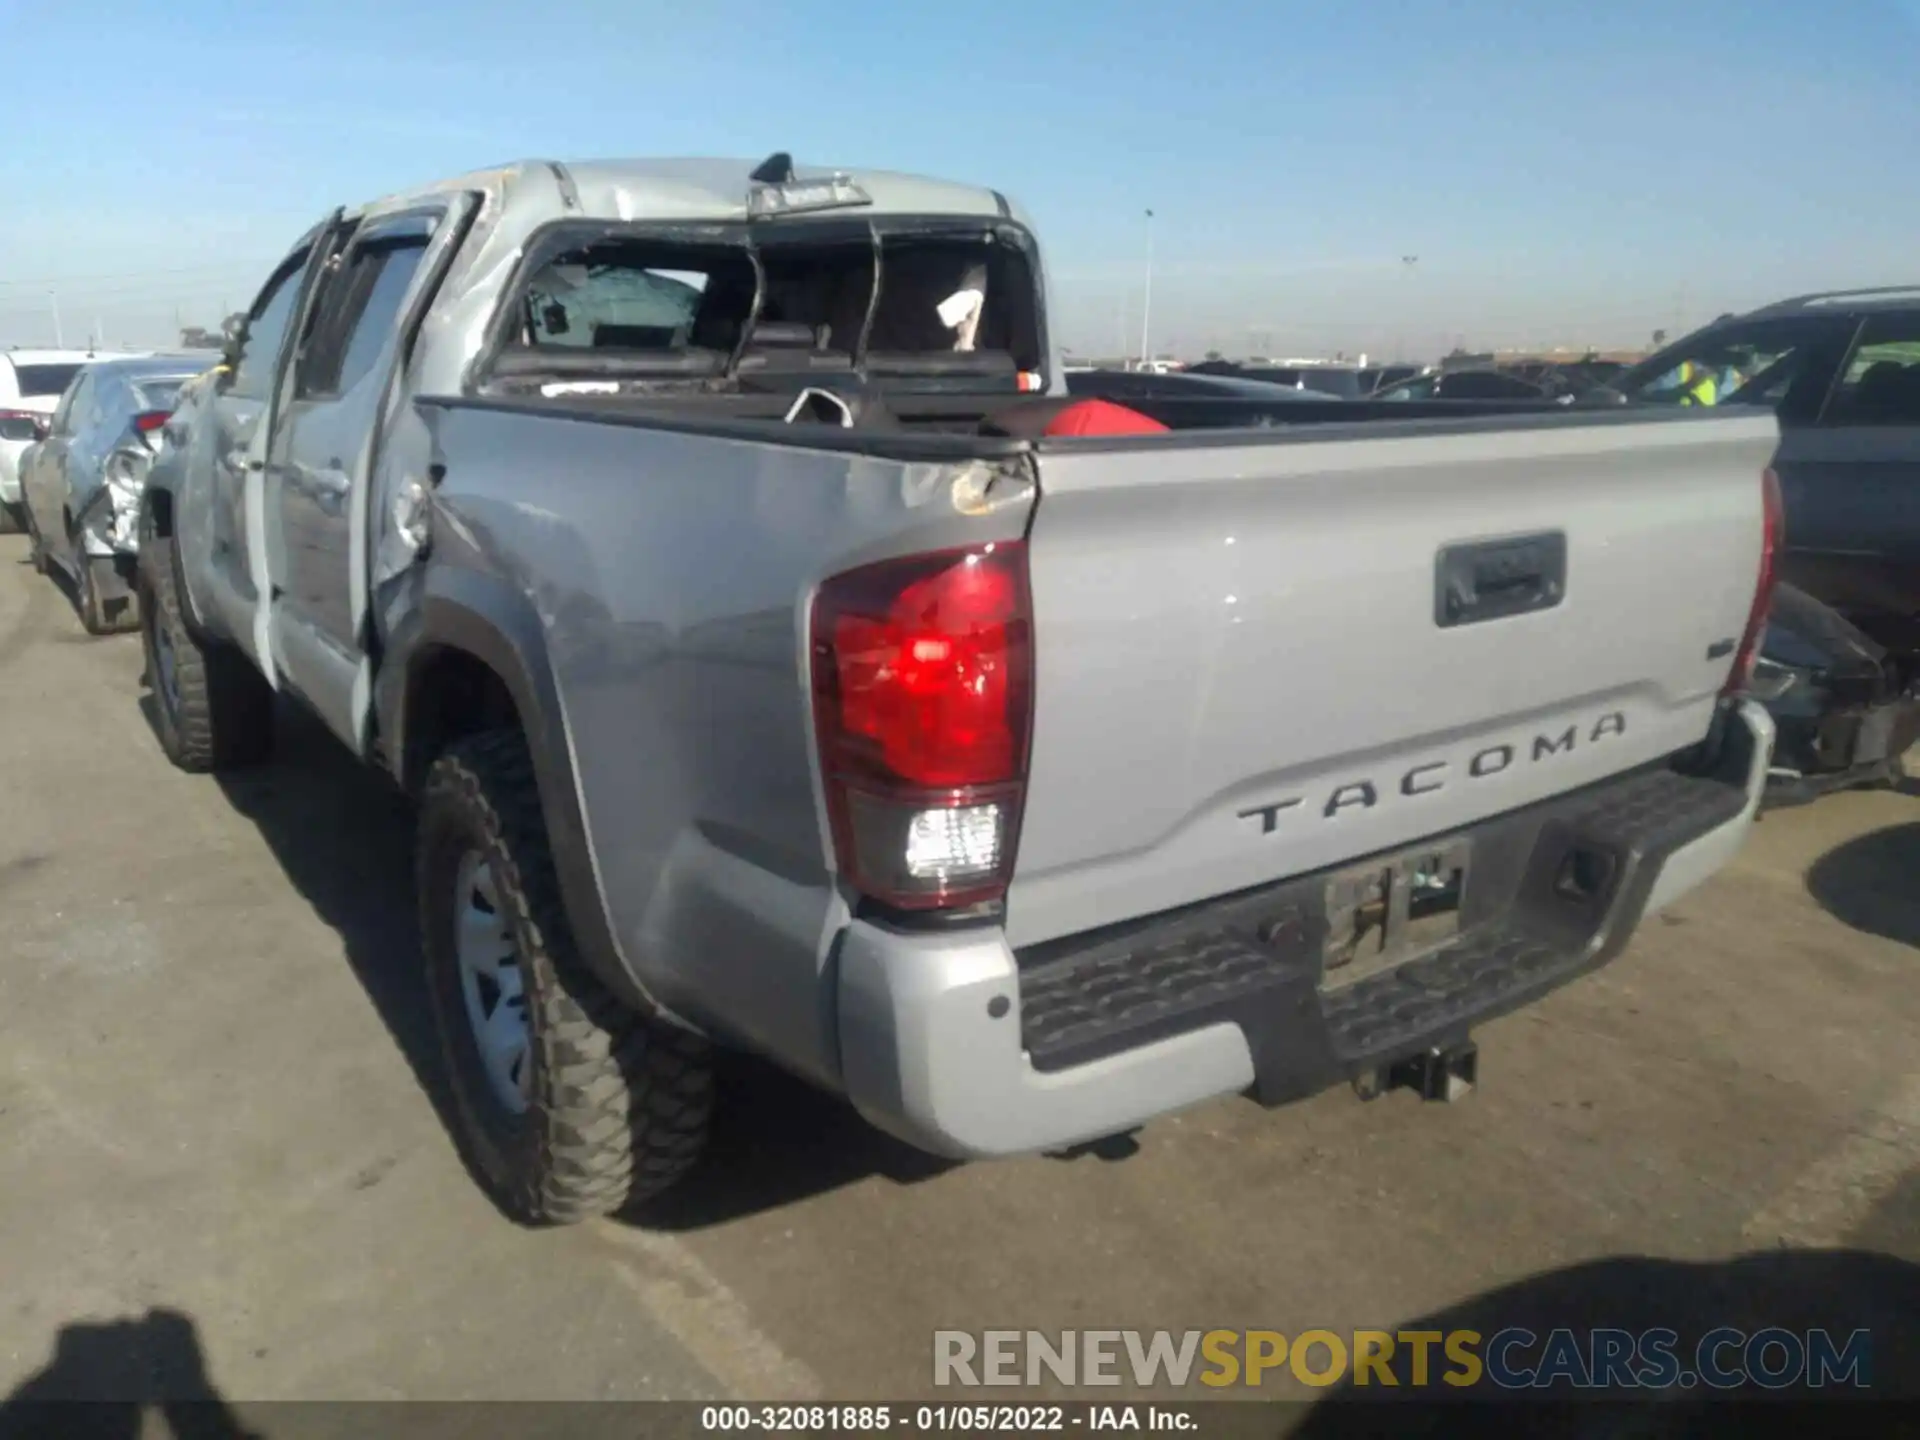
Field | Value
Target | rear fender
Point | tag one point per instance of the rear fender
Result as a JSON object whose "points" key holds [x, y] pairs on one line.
{"points": [[485, 618], [156, 522]]}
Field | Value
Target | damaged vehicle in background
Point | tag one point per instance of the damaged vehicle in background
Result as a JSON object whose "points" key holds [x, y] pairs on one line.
{"points": [[80, 486], [1845, 707], [1841, 372]]}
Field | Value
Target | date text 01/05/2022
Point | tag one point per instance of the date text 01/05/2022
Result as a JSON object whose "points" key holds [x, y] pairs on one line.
{"points": [[999, 1419]]}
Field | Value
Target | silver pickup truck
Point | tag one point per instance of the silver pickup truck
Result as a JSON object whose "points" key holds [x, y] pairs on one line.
{"points": [[779, 663]]}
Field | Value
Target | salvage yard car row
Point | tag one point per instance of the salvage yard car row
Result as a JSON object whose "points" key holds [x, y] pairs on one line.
{"points": [[783, 655], [81, 483]]}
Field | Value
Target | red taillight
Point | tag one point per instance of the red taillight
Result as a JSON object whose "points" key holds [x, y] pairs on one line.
{"points": [[1772, 537], [148, 421], [923, 685]]}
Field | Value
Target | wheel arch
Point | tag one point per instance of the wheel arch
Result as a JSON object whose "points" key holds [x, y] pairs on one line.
{"points": [[156, 512], [471, 656]]}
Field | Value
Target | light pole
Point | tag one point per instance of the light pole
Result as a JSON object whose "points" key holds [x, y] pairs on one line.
{"points": [[59, 336], [1407, 262], [1146, 302]]}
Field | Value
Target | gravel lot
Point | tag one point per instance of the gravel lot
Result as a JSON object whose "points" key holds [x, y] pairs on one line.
{"points": [[221, 1146]]}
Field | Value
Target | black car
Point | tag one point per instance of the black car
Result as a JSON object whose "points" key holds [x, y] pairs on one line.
{"points": [[1469, 383], [1125, 386], [1336, 380], [1380, 377], [1842, 372], [1846, 707]]}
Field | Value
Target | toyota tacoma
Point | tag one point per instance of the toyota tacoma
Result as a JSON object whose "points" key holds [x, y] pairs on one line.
{"points": [[781, 659]]}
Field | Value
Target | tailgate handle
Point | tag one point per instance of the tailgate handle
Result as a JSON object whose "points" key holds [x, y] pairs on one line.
{"points": [[1492, 579]]}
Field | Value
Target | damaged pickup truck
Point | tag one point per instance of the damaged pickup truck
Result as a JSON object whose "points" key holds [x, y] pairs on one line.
{"points": [[782, 660]]}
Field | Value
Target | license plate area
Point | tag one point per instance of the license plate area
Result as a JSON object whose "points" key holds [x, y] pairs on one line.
{"points": [[1392, 910]]}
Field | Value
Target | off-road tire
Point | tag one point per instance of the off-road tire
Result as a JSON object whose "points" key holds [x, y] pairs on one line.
{"points": [[620, 1101], [224, 716]]}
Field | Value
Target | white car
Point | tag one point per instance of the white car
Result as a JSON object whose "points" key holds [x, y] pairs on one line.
{"points": [[31, 384]]}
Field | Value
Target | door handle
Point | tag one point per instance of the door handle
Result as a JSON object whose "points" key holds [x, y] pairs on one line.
{"points": [[241, 460], [1493, 579]]}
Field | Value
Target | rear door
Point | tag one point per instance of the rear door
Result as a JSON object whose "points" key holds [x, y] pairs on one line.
{"points": [[1250, 662], [325, 442], [1852, 482], [240, 416]]}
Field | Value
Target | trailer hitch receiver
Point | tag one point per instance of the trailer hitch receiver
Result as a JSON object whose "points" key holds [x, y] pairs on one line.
{"points": [[1445, 1073]]}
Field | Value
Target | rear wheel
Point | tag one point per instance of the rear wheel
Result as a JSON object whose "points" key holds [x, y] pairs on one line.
{"points": [[214, 711], [570, 1103]]}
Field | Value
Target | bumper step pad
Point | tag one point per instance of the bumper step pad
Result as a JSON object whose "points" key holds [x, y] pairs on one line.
{"points": [[1554, 891]]}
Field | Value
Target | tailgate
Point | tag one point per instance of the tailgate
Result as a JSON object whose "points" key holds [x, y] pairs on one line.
{"points": [[1241, 670]]}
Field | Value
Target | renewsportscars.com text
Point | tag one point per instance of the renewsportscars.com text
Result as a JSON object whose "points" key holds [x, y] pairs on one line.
{"points": [[1509, 1359]]}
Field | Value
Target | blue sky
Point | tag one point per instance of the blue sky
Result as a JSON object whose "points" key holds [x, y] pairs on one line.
{"points": [[1570, 173]]}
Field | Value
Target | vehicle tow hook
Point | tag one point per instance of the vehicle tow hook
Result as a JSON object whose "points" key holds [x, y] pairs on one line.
{"points": [[1440, 1073]]}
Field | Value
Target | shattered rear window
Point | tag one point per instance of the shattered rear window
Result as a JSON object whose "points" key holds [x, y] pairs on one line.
{"points": [[615, 306]]}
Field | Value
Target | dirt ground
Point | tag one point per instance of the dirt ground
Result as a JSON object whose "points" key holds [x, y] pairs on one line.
{"points": [[223, 1162]]}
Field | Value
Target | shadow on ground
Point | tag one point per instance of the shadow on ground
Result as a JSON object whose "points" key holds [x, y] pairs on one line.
{"points": [[1868, 883], [344, 837], [62, 582], [775, 1141], [107, 1379], [1797, 1291]]}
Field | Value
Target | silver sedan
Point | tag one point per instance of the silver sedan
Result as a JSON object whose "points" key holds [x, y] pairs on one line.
{"points": [[81, 485]]}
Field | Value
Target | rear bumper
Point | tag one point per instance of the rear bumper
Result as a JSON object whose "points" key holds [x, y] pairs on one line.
{"points": [[10, 453], [955, 1044]]}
